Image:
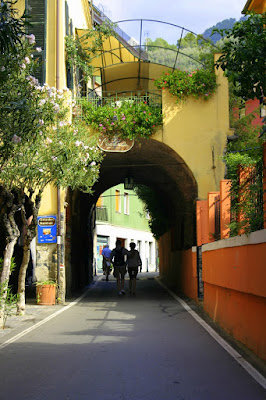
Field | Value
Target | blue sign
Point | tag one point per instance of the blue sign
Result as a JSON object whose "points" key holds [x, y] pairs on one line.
{"points": [[47, 229]]}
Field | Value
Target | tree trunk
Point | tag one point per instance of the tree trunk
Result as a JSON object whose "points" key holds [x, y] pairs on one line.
{"points": [[21, 303], [30, 226], [5, 276], [10, 203]]}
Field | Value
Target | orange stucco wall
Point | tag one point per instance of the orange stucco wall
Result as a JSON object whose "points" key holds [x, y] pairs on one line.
{"points": [[235, 291], [264, 183], [178, 268]]}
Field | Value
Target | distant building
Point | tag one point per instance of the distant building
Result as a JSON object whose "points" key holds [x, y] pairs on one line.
{"points": [[121, 215]]}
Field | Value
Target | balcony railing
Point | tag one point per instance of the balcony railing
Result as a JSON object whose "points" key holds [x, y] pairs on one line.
{"points": [[101, 214], [114, 99]]}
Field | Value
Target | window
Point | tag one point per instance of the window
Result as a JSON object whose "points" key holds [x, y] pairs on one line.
{"points": [[117, 201], [126, 203], [99, 202]]}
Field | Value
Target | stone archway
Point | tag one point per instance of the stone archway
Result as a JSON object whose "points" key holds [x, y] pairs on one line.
{"points": [[150, 163]]}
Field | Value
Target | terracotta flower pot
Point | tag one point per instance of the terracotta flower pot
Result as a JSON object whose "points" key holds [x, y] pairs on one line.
{"points": [[45, 294]]}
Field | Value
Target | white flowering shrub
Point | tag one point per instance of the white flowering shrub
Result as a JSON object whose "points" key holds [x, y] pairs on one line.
{"points": [[38, 146], [37, 143]]}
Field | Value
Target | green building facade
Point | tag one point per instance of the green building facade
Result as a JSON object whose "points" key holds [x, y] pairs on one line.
{"points": [[121, 215]]}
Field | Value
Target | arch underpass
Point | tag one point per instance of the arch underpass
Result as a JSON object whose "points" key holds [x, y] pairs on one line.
{"points": [[181, 162], [149, 163]]}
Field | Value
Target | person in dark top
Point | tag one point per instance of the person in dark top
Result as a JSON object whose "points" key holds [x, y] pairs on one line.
{"points": [[118, 260], [106, 252], [133, 263]]}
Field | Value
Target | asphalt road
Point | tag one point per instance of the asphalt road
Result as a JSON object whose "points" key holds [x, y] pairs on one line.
{"points": [[123, 348]]}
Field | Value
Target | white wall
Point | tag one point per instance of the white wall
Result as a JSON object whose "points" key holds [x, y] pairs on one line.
{"points": [[146, 240]]}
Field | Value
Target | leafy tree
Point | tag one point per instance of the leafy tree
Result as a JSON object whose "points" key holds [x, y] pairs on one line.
{"points": [[159, 221], [38, 146], [245, 153], [12, 28], [243, 61], [243, 56], [190, 53], [215, 37]]}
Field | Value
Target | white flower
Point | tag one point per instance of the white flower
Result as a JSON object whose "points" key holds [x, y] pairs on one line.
{"points": [[23, 66], [27, 60], [61, 123], [16, 139], [3, 68], [40, 169], [77, 143], [54, 158], [38, 49], [93, 163], [56, 108], [48, 140], [41, 122], [31, 38]]}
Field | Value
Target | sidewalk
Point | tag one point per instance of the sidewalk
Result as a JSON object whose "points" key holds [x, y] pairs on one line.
{"points": [[34, 313]]}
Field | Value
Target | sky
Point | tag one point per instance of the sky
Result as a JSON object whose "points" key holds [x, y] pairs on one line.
{"points": [[194, 15]]}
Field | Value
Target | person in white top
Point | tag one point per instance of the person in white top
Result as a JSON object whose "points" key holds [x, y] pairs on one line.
{"points": [[133, 263]]}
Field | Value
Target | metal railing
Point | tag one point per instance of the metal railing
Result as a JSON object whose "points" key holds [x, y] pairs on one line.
{"points": [[114, 99], [101, 214]]}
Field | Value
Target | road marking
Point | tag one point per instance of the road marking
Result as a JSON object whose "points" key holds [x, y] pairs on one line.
{"points": [[28, 330], [245, 364]]}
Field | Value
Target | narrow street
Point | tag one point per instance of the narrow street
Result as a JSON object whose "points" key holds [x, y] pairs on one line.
{"points": [[108, 347]]}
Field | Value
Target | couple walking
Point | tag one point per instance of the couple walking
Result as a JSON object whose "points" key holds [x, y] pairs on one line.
{"points": [[132, 262]]}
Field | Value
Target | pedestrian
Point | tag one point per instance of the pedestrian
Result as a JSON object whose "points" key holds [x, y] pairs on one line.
{"points": [[118, 259], [106, 253], [133, 264]]}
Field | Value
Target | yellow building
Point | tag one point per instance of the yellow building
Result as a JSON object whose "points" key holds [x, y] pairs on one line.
{"points": [[257, 6], [181, 162]]}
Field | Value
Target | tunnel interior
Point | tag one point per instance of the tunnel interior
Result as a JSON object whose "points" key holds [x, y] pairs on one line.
{"points": [[150, 163]]}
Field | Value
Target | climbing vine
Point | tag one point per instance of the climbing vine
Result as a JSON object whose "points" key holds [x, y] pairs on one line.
{"points": [[80, 50], [245, 154], [159, 220]]}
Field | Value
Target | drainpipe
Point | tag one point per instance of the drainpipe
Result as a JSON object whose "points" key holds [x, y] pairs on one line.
{"points": [[58, 188]]}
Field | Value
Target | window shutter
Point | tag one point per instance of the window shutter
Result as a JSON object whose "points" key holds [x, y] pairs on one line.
{"points": [[37, 11]]}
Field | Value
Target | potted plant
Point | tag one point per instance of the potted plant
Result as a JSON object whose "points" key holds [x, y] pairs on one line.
{"points": [[46, 293]]}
